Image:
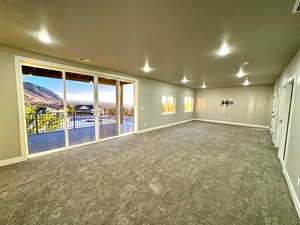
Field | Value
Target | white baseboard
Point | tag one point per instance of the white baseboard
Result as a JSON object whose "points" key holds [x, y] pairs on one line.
{"points": [[292, 190], [233, 123], [7, 162], [163, 126]]}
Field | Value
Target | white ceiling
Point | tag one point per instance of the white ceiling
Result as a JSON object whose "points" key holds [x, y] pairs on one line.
{"points": [[177, 37]]}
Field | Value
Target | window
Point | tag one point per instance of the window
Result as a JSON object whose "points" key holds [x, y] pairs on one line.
{"points": [[68, 109], [188, 104], [168, 104]]}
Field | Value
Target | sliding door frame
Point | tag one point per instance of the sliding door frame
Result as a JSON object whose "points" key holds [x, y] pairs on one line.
{"points": [[20, 61], [66, 124]]}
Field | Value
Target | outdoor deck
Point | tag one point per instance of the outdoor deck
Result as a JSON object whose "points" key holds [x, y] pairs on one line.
{"points": [[56, 139]]}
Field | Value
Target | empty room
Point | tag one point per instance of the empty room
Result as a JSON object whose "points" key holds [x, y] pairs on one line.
{"points": [[152, 112]]}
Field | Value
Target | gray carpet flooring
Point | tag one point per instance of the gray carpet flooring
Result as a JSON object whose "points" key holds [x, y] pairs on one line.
{"points": [[194, 173]]}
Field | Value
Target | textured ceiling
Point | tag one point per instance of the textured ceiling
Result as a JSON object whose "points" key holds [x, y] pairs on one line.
{"points": [[177, 37]]}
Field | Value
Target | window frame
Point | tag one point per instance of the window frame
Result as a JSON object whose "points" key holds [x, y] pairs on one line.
{"points": [[33, 62], [174, 106], [184, 104]]}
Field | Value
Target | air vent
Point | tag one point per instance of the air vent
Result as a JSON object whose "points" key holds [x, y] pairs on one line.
{"points": [[84, 59], [297, 7]]}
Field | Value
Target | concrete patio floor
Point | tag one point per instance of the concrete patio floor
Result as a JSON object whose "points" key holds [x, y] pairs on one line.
{"points": [[56, 139]]}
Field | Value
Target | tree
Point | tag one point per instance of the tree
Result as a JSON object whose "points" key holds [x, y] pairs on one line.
{"points": [[42, 120]]}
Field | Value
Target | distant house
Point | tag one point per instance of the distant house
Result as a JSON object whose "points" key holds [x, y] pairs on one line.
{"points": [[84, 108], [50, 109]]}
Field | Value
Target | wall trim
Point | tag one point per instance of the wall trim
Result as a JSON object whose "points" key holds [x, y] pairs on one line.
{"points": [[163, 126], [7, 162], [292, 190], [272, 136], [234, 123]]}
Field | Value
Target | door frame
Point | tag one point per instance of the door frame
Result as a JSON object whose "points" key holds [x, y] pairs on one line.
{"points": [[20, 61], [278, 115], [285, 131]]}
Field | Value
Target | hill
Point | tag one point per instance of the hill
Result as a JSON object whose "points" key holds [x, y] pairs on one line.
{"points": [[35, 94]]}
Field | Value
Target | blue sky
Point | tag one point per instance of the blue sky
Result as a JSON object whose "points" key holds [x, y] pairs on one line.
{"points": [[81, 91]]}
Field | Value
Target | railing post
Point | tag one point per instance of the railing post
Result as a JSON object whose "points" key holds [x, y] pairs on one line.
{"points": [[74, 120], [36, 123]]}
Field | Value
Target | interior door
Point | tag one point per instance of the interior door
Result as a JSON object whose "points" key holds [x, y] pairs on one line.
{"points": [[284, 119], [274, 105]]}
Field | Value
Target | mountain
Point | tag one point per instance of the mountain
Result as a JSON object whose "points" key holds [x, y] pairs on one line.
{"points": [[39, 95]]}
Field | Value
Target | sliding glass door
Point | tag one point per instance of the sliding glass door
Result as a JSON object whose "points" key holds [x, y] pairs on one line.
{"points": [[80, 108], [108, 108], [44, 109], [126, 107], [66, 109]]}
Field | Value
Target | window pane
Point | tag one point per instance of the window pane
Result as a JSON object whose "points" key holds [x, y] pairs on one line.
{"points": [[44, 109], [80, 106], [127, 107], [188, 104], [107, 102], [164, 104], [169, 104]]}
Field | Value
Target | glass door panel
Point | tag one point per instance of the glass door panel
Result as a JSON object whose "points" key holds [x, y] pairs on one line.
{"points": [[44, 109], [80, 108], [107, 112], [126, 107]]}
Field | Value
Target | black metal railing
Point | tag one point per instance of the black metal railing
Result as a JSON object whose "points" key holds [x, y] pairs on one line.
{"points": [[44, 122], [51, 121], [80, 119]]}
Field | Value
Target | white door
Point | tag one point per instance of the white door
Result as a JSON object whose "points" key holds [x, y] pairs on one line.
{"points": [[284, 119], [274, 116], [278, 128]]}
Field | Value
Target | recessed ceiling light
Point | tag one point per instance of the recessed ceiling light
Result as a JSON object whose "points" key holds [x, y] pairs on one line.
{"points": [[224, 49], [44, 36], [147, 68], [203, 85], [241, 73], [246, 82], [84, 59], [184, 80], [246, 63]]}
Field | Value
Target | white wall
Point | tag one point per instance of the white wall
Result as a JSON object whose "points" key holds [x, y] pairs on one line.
{"points": [[251, 105], [292, 163]]}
